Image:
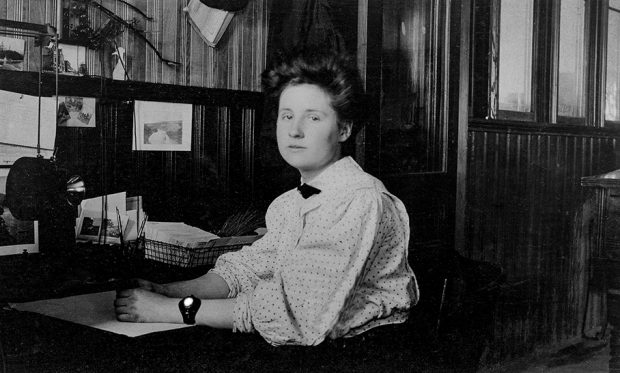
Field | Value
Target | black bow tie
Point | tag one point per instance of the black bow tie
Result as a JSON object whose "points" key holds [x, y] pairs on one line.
{"points": [[307, 190]]}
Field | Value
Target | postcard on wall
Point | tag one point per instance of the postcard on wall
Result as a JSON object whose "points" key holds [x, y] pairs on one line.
{"points": [[12, 53], [76, 111], [19, 120], [162, 126], [16, 236]]}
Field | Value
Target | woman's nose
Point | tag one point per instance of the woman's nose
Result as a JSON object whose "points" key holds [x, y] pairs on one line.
{"points": [[295, 129]]}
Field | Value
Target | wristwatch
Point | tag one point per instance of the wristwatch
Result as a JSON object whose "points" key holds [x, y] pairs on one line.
{"points": [[188, 307]]}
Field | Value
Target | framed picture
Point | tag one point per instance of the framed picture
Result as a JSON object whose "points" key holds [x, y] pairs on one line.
{"points": [[12, 53], [76, 111], [162, 126], [16, 236]]}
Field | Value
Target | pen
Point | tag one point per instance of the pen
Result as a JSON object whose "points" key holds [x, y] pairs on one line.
{"points": [[120, 228]]}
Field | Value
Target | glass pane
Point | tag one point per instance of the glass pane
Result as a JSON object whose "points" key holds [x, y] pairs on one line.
{"points": [[571, 76], [412, 135], [515, 55], [612, 98]]}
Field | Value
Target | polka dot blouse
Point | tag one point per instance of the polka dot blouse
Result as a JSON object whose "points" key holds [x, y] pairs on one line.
{"points": [[332, 265]]}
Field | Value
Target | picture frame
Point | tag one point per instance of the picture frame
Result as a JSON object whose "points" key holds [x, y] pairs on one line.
{"points": [[16, 236], [12, 52], [162, 126]]}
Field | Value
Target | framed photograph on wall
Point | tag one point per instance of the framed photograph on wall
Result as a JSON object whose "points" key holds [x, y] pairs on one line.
{"points": [[162, 126], [16, 236], [12, 52]]}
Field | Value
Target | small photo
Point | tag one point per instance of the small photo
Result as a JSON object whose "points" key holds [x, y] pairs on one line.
{"points": [[73, 59], [12, 53], [160, 133], [93, 227], [111, 229], [76, 111], [162, 126], [90, 226]]}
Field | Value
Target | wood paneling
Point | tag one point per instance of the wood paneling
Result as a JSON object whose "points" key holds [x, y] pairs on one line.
{"points": [[524, 212], [201, 187], [236, 62]]}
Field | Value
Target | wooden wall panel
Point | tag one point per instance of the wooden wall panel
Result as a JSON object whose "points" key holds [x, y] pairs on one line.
{"points": [[524, 212], [236, 62]]}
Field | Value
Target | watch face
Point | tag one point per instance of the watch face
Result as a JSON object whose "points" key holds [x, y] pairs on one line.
{"points": [[188, 301]]}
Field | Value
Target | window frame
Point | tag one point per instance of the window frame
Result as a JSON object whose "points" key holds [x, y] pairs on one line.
{"points": [[545, 65]]}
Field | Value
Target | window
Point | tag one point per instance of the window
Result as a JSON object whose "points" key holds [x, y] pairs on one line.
{"points": [[543, 61], [515, 55], [571, 62], [612, 85]]}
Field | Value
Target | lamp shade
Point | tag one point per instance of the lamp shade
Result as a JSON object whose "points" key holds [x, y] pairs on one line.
{"points": [[35, 187], [228, 5]]}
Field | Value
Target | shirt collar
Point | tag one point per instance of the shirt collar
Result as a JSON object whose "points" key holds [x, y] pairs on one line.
{"points": [[343, 172]]}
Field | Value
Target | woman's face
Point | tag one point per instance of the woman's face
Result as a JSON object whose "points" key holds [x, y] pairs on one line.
{"points": [[307, 129]]}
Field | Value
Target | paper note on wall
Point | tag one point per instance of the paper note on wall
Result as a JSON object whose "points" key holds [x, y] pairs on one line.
{"points": [[20, 120]]}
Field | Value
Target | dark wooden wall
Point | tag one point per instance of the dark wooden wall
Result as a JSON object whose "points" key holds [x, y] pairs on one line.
{"points": [[524, 212], [202, 187], [236, 62]]}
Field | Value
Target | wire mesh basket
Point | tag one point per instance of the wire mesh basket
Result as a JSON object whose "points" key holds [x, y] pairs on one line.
{"points": [[187, 257]]}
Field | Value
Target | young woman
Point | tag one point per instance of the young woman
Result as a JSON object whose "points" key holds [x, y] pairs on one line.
{"points": [[334, 260]]}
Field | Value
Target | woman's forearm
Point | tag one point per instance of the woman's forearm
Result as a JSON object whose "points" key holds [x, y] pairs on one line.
{"points": [[208, 286], [216, 313], [140, 305]]}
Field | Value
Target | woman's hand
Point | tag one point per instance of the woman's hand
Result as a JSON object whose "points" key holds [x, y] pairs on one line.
{"points": [[142, 305]]}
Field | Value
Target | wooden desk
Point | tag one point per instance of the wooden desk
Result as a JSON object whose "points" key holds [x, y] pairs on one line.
{"points": [[605, 200], [35, 343]]}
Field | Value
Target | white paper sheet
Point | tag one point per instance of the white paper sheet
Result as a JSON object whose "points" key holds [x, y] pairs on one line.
{"points": [[95, 310], [20, 120]]}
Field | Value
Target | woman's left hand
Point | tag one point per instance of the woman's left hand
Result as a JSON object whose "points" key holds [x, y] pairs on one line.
{"points": [[140, 305]]}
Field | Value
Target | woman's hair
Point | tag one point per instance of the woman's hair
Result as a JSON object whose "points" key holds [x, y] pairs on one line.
{"points": [[335, 73]]}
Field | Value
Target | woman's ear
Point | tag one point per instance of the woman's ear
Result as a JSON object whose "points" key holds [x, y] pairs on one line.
{"points": [[345, 131]]}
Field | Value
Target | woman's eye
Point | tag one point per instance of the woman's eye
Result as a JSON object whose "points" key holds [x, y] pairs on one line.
{"points": [[314, 118], [286, 116]]}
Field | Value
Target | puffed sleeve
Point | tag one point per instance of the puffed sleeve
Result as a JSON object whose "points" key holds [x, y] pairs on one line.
{"points": [[303, 301], [243, 269]]}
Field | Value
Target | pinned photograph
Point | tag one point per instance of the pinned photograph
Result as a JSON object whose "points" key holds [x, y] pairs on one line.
{"points": [[76, 111], [162, 126], [12, 53], [16, 236]]}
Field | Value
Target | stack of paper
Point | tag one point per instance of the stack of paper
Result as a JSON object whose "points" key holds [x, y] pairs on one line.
{"points": [[178, 234]]}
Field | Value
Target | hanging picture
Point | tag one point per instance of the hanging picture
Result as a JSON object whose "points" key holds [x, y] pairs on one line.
{"points": [[162, 126], [76, 111], [16, 236], [12, 53]]}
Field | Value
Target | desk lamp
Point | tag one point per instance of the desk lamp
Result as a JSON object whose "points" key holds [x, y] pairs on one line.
{"points": [[37, 189]]}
